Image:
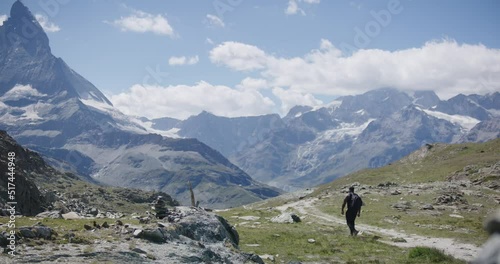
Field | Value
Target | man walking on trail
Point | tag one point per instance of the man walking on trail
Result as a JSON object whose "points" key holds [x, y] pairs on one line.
{"points": [[354, 204]]}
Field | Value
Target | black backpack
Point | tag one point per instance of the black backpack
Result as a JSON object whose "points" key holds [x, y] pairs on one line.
{"points": [[355, 202]]}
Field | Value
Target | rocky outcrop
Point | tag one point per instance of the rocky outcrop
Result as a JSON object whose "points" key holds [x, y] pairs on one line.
{"points": [[28, 197], [186, 235]]}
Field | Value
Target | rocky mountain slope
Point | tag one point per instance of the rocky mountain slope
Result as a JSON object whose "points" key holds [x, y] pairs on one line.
{"points": [[39, 187], [73, 215], [48, 107], [432, 202], [310, 146]]}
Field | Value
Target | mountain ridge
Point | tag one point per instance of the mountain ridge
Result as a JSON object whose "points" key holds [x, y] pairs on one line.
{"points": [[47, 106]]}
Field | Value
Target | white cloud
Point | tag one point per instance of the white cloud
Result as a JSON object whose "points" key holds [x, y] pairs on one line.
{"points": [[252, 83], [143, 22], [444, 66], [3, 18], [293, 6], [183, 60], [46, 24], [209, 41], [291, 98], [215, 21], [239, 56], [182, 101]]}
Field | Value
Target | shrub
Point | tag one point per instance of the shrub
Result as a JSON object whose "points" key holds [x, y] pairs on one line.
{"points": [[428, 255]]}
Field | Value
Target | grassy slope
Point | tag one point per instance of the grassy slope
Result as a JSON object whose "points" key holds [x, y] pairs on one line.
{"points": [[289, 241]]}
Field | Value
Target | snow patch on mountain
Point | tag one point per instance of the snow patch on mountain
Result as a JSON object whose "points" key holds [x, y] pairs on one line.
{"points": [[39, 133], [21, 92], [466, 122]]}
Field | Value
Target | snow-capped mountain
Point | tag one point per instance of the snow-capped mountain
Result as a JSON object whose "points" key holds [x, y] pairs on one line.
{"points": [[310, 146], [48, 107]]}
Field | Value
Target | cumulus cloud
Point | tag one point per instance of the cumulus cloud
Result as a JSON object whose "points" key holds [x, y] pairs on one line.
{"points": [[3, 18], [239, 56], [46, 24], [293, 6], [252, 83], [445, 66], [143, 22], [183, 60], [291, 98], [182, 101], [215, 21]]}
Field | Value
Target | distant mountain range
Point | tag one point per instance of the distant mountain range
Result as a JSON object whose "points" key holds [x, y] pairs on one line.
{"points": [[311, 146], [50, 108]]}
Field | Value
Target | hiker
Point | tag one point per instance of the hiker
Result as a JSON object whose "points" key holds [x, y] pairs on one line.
{"points": [[354, 204]]}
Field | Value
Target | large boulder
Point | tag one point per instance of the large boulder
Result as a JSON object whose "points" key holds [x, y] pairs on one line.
{"points": [[286, 218]]}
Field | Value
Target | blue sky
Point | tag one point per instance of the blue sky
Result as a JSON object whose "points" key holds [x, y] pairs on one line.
{"points": [[240, 57]]}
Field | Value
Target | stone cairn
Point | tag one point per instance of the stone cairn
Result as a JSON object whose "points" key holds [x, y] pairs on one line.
{"points": [[160, 208]]}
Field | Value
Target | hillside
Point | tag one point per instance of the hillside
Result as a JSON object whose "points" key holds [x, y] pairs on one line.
{"points": [[438, 196]]}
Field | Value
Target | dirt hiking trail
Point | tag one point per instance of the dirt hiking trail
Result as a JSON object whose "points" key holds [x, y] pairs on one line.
{"points": [[458, 250]]}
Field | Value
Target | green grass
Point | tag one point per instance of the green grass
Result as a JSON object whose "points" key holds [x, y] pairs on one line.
{"points": [[287, 242], [429, 255]]}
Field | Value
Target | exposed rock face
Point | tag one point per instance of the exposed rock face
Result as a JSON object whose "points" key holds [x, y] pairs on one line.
{"points": [[29, 199]]}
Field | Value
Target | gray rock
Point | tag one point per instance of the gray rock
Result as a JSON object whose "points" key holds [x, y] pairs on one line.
{"points": [[427, 207], [286, 218], [94, 211], [153, 235], [43, 231], [50, 214], [71, 215], [402, 205], [26, 232], [87, 227], [137, 233]]}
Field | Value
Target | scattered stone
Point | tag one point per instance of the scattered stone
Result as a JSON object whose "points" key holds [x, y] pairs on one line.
{"points": [[137, 232], [105, 225], [286, 218], [93, 211], [402, 205], [26, 232], [145, 220], [427, 207], [252, 245], [387, 184], [153, 235], [311, 240], [119, 223], [138, 250], [71, 216], [456, 216], [452, 198], [96, 225], [50, 214], [396, 192], [399, 240], [87, 227]]}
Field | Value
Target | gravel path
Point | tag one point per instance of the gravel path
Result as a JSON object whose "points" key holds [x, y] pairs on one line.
{"points": [[462, 251]]}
